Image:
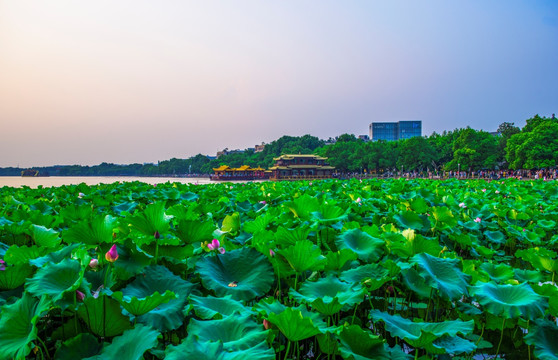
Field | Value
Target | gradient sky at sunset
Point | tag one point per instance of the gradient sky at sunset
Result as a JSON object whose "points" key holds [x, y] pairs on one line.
{"points": [[85, 82]]}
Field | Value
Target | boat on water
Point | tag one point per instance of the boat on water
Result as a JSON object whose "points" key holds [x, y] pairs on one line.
{"points": [[33, 173]]}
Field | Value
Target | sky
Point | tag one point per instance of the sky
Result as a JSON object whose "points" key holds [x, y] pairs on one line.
{"points": [[139, 81]]}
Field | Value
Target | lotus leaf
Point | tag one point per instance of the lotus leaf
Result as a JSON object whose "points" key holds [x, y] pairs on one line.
{"points": [[304, 255], [18, 326], [14, 276], [131, 345], [94, 232], [368, 248], [208, 307], [152, 219], [294, 325], [81, 346], [104, 316], [54, 280], [242, 273], [143, 305], [191, 348], [510, 301], [543, 336], [166, 316], [45, 237], [442, 274], [329, 295]]}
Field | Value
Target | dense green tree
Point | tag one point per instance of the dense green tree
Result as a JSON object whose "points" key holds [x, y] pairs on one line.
{"points": [[416, 153], [474, 150], [536, 146]]}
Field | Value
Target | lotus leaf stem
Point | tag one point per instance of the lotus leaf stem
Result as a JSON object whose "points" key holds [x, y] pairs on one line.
{"points": [[288, 349], [501, 338]]}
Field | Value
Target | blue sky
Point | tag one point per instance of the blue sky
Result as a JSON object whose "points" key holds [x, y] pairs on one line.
{"points": [[141, 81]]}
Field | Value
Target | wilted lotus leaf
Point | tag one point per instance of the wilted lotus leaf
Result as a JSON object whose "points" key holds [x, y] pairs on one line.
{"points": [[442, 274], [242, 273], [543, 336], [168, 315], [329, 295], [368, 248], [207, 307], [510, 301]]}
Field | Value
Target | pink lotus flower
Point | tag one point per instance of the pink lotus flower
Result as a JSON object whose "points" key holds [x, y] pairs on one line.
{"points": [[2, 265], [483, 190], [266, 324], [79, 296], [214, 244], [112, 254], [497, 191], [271, 253], [462, 205], [263, 202], [478, 220], [94, 263], [221, 250]]}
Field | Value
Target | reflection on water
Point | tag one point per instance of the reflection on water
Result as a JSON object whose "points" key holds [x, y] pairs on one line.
{"points": [[33, 182]]}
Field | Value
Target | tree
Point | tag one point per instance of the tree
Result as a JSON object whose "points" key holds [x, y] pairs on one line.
{"points": [[474, 150], [536, 146]]}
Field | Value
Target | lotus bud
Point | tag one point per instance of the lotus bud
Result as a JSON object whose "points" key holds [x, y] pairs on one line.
{"points": [[2, 265], [263, 202], [266, 324], [79, 296], [390, 289], [214, 244], [483, 190], [271, 253], [478, 220], [94, 263], [221, 250], [112, 254], [157, 235]]}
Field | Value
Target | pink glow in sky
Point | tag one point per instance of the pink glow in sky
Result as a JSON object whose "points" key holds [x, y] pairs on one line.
{"points": [[85, 82]]}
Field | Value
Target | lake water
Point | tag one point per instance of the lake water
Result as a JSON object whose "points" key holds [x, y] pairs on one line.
{"points": [[50, 181]]}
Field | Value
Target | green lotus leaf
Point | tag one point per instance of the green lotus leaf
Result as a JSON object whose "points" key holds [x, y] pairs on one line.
{"points": [[496, 237], [54, 257], [269, 306], [328, 213], [17, 255], [410, 244], [498, 273], [131, 345], [207, 307], [45, 237], [104, 316], [192, 231], [166, 316], [303, 206], [329, 295], [421, 334], [294, 325], [416, 283], [452, 345], [94, 232], [131, 260], [231, 223], [527, 275], [236, 332], [358, 344], [152, 219], [81, 346], [14, 276], [510, 301], [543, 336], [547, 224], [442, 218], [442, 274], [18, 327], [338, 260], [368, 248], [125, 207], [409, 220], [550, 291], [56, 279], [144, 305], [191, 348], [373, 276], [304, 255], [242, 273], [287, 237]]}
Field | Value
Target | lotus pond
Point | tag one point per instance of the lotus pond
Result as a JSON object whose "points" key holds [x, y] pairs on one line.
{"points": [[376, 269]]}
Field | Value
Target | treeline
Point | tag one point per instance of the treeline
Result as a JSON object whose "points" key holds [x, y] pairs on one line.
{"points": [[535, 146]]}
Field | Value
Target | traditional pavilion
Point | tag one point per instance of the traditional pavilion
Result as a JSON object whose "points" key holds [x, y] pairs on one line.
{"points": [[245, 172], [297, 167]]}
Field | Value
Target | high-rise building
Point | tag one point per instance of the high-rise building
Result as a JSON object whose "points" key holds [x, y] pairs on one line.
{"points": [[391, 131]]}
